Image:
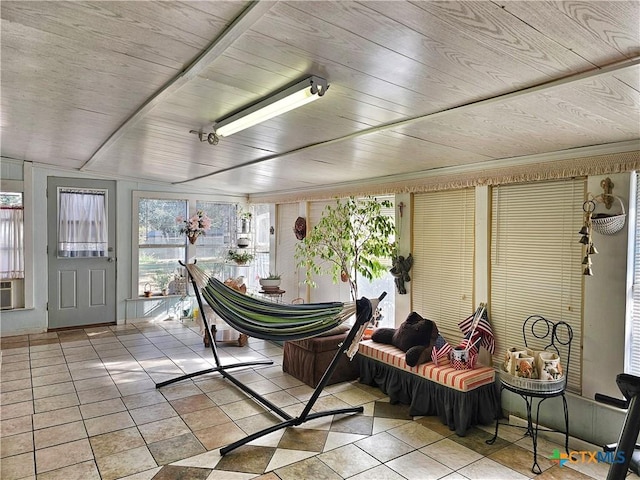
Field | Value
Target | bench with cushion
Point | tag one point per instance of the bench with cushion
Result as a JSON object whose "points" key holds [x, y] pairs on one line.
{"points": [[461, 398]]}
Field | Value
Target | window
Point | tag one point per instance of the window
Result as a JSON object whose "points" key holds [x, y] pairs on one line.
{"points": [[212, 248], [632, 354], [161, 245], [327, 290], [82, 223], [443, 251], [260, 266], [373, 288], [536, 263], [11, 236], [11, 251], [225, 229]]}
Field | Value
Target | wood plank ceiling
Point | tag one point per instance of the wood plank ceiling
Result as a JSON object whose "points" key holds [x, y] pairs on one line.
{"points": [[113, 88]]}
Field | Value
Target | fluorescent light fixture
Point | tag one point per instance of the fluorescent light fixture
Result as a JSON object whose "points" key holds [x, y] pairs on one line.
{"points": [[295, 96]]}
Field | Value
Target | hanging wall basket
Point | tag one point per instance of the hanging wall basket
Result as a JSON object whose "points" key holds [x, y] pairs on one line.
{"points": [[610, 224]]}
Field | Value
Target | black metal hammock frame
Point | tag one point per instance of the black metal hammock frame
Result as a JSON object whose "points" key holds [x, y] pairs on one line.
{"points": [[272, 321]]}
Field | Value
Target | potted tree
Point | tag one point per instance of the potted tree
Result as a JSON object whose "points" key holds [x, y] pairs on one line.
{"points": [[350, 240]]}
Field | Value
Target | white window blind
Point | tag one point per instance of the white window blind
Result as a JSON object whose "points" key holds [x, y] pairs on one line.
{"points": [[633, 350], [443, 250], [536, 262]]}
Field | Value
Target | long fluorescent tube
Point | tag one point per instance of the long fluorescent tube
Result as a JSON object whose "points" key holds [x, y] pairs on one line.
{"points": [[295, 96]]}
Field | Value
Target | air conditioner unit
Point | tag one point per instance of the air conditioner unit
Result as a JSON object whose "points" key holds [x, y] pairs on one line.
{"points": [[6, 295]]}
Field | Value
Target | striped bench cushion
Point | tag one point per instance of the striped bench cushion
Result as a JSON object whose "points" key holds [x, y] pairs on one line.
{"points": [[462, 380]]}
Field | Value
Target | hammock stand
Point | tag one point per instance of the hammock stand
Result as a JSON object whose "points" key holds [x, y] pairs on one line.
{"points": [[289, 330]]}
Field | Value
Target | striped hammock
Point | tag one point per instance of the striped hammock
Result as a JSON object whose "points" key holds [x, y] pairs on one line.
{"points": [[274, 321]]}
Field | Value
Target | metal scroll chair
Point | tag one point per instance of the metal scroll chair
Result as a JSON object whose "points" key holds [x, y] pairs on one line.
{"points": [[541, 334]]}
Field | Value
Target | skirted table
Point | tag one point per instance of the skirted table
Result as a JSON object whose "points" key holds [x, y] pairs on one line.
{"points": [[460, 398]]}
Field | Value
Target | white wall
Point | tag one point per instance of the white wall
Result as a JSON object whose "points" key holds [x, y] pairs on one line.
{"points": [[605, 295]]}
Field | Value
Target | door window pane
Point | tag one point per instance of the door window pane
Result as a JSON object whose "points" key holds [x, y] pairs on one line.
{"points": [[82, 223]]}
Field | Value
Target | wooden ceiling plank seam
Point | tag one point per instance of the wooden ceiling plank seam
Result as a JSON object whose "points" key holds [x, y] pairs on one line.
{"points": [[346, 75], [435, 52], [243, 22], [489, 24], [603, 31], [338, 41], [103, 29], [500, 98]]}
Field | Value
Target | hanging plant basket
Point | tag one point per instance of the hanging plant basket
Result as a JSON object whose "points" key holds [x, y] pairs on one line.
{"points": [[610, 224]]}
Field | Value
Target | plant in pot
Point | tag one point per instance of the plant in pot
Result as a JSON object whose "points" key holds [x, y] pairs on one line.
{"points": [[270, 282], [351, 239], [241, 257], [161, 280]]}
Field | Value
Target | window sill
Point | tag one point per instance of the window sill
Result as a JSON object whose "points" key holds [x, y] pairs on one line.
{"points": [[153, 297]]}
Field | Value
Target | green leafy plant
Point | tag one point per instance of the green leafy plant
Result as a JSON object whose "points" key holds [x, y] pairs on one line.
{"points": [[272, 276], [352, 238], [239, 256], [161, 279], [245, 214]]}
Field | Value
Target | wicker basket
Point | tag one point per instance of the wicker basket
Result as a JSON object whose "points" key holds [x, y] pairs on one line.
{"points": [[612, 224]]}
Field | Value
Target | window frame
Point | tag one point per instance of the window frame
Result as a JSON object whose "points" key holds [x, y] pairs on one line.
{"points": [[632, 321], [21, 223], [190, 249], [25, 186]]}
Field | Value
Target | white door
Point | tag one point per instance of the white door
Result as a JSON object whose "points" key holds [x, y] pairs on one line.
{"points": [[81, 252]]}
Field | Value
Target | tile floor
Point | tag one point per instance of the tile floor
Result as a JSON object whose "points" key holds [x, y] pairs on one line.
{"points": [[82, 404]]}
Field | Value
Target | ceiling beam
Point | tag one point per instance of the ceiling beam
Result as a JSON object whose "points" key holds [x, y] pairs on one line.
{"points": [[612, 68], [243, 22]]}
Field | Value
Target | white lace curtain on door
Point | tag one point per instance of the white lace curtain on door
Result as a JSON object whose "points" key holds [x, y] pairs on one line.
{"points": [[82, 223], [11, 235]]}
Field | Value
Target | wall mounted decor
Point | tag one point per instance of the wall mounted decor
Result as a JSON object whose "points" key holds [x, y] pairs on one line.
{"points": [[300, 228]]}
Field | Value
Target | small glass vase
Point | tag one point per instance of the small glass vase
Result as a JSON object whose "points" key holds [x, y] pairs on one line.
{"points": [[192, 239]]}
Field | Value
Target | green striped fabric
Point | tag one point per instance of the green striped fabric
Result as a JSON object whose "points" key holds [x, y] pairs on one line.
{"points": [[274, 321]]}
